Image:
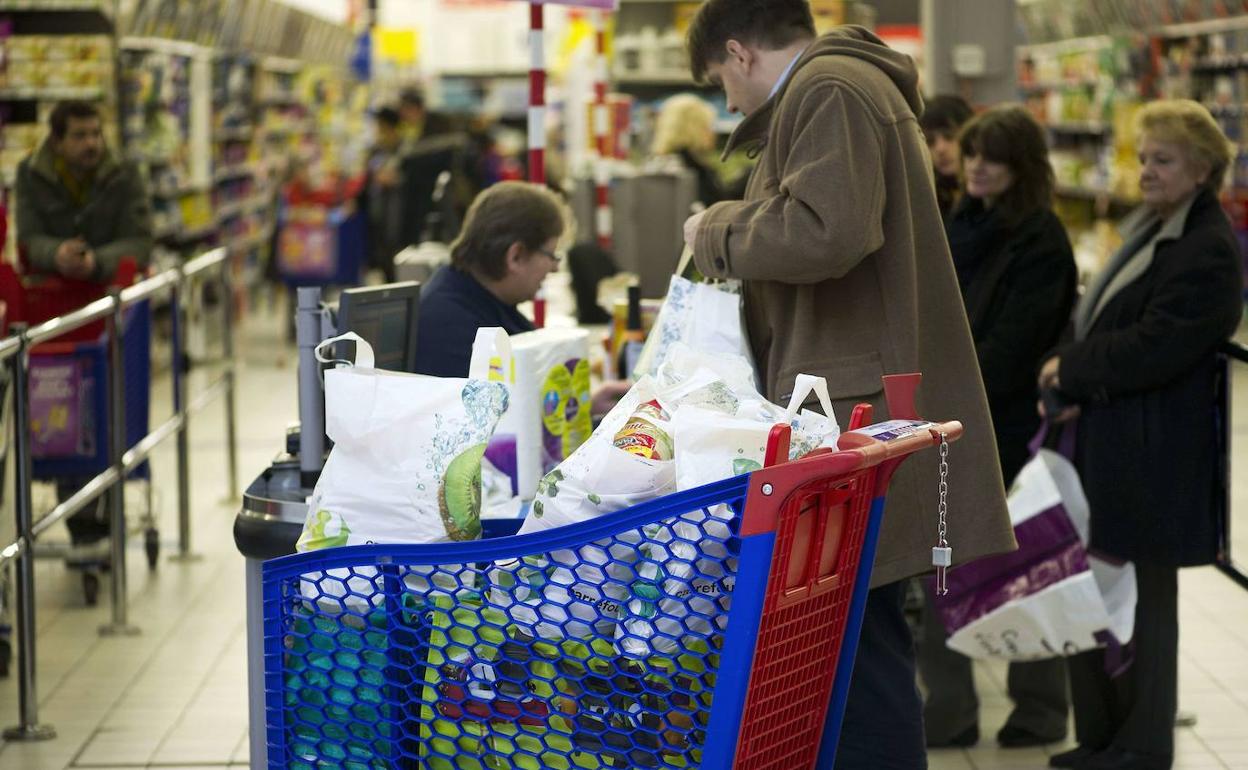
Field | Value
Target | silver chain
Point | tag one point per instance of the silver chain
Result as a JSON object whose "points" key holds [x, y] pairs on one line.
{"points": [[944, 489]]}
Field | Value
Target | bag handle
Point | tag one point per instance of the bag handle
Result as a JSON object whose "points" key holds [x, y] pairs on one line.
{"points": [[803, 386], [492, 358], [364, 357]]}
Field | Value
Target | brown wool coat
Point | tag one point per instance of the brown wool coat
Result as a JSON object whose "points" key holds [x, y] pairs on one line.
{"points": [[847, 275]]}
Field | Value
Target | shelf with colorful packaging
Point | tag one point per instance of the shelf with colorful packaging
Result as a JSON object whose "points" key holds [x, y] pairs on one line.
{"points": [[50, 52], [1125, 54], [165, 129], [239, 177]]}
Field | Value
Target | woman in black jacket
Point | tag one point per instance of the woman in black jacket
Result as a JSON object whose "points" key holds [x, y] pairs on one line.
{"points": [[1141, 375], [1018, 278]]}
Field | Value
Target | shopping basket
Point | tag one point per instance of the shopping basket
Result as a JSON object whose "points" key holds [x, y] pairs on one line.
{"points": [[320, 245], [68, 375], [425, 656]]}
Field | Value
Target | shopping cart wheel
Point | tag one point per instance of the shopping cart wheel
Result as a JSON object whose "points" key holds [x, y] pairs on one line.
{"points": [[151, 544], [91, 588]]}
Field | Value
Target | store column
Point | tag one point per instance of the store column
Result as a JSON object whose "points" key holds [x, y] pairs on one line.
{"points": [[968, 49]]}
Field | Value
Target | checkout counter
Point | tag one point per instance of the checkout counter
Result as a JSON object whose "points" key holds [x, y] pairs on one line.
{"points": [[274, 507]]}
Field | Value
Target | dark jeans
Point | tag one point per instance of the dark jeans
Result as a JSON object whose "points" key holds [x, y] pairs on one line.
{"points": [[883, 727], [1135, 711]]}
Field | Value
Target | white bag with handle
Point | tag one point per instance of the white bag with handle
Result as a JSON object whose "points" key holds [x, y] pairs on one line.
{"points": [[406, 462], [686, 580], [704, 316]]}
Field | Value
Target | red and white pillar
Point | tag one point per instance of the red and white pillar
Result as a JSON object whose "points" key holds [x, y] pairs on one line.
{"points": [[537, 95], [537, 123], [601, 129]]}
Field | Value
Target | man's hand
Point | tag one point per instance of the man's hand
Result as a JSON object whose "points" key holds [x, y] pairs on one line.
{"points": [[691, 227], [74, 259]]}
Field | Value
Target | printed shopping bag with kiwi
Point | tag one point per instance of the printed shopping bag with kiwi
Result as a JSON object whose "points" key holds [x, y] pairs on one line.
{"points": [[406, 462]]}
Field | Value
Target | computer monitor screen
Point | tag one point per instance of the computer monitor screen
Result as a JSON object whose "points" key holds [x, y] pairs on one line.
{"points": [[385, 316]]}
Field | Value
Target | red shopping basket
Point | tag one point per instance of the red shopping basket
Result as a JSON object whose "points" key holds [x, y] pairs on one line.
{"points": [[69, 426], [747, 594]]}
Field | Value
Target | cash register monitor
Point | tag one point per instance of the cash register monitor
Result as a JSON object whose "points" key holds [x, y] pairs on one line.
{"points": [[386, 317]]}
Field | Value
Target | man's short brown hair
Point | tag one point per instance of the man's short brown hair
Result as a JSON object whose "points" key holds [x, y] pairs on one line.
{"points": [[768, 24], [507, 213], [58, 121]]}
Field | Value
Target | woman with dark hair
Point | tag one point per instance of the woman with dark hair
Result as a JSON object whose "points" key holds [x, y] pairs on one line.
{"points": [[943, 117], [1017, 274]]}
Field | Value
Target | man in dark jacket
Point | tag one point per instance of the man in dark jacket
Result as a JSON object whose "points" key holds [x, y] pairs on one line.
{"points": [[847, 275], [79, 212], [79, 209]]}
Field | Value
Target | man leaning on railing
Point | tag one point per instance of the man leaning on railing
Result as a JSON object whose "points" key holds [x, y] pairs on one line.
{"points": [[81, 211]]}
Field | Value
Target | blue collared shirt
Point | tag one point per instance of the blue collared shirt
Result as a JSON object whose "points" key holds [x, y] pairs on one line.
{"points": [[784, 76]]}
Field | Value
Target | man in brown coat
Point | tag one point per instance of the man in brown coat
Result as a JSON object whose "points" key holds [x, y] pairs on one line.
{"points": [[847, 275]]}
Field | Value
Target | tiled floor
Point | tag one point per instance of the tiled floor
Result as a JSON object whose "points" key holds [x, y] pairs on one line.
{"points": [[175, 696]]}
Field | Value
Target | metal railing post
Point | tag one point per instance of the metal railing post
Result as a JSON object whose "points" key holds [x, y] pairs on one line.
{"points": [[180, 371], [28, 727], [116, 379], [231, 417]]}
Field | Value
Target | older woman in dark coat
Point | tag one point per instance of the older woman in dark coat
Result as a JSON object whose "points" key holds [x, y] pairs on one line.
{"points": [[1140, 374]]}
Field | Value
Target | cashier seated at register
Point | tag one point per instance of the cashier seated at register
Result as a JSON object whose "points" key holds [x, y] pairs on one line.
{"points": [[503, 253]]}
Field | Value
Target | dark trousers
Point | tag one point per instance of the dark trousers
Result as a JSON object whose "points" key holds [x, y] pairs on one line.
{"points": [[1135, 711], [883, 727], [1038, 689]]}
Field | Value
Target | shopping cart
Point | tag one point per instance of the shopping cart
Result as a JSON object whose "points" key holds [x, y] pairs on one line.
{"points": [[68, 388], [715, 628], [320, 242]]}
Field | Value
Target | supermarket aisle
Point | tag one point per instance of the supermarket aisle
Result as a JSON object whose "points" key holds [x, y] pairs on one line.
{"points": [[176, 696]]}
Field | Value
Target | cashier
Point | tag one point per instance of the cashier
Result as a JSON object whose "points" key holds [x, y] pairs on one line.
{"points": [[508, 245], [504, 252]]}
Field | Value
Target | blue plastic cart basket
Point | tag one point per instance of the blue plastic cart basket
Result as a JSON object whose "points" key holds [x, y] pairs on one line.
{"points": [[700, 630]]}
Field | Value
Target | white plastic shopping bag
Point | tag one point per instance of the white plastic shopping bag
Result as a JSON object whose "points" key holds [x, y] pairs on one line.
{"points": [[704, 316], [406, 461], [686, 580], [1051, 597]]}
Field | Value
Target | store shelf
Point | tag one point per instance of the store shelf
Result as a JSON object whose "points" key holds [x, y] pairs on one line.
{"points": [[280, 64], [504, 74], [161, 45], [1197, 28], [50, 94], [1093, 193], [237, 171], [1089, 128], [181, 191], [656, 78], [1059, 85], [241, 134], [1059, 47], [42, 6], [235, 208]]}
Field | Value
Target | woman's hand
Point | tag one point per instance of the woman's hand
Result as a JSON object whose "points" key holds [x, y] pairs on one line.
{"points": [[1049, 373]]}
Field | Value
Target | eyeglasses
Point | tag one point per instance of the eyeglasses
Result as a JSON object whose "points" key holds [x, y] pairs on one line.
{"points": [[552, 256]]}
